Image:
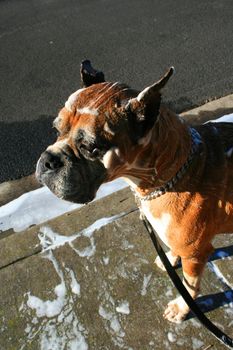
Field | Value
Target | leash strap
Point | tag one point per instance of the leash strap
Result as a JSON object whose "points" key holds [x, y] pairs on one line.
{"points": [[225, 339]]}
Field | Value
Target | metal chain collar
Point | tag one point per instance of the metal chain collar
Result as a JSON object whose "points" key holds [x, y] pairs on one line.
{"points": [[196, 142]]}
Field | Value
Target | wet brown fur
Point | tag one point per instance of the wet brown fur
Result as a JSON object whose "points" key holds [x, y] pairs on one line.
{"points": [[201, 203]]}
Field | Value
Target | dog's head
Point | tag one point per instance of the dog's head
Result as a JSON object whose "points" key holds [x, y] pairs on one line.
{"points": [[100, 131]]}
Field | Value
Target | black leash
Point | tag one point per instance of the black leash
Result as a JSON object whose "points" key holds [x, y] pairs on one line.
{"points": [[225, 339]]}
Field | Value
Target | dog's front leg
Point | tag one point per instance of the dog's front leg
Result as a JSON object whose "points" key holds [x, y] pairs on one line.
{"points": [[177, 309], [172, 257]]}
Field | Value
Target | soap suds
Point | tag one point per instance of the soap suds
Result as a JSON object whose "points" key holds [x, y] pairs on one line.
{"points": [[123, 308], [146, 281]]}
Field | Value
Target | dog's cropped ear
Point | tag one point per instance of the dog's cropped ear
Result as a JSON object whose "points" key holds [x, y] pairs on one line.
{"points": [[151, 91], [89, 75], [143, 110]]}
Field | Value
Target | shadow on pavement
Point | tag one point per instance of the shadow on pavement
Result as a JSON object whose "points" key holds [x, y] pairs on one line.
{"points": [[211, 302], [23, 142]]}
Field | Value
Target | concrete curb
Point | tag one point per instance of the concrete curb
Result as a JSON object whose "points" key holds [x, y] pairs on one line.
{"points": [[210, 110], [11, 190]]}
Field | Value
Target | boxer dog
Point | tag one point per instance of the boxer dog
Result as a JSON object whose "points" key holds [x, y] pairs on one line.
{"points": [[181, 176]]}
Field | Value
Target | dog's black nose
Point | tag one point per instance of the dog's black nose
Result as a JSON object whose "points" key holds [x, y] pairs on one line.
{"points": [[51, 161]]}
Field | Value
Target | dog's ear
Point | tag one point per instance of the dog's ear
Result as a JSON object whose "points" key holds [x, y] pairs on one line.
{"points": [[143, 110], [89, 75]]}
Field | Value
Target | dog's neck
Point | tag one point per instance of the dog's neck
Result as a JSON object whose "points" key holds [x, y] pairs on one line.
{"points": [[161, 154]]}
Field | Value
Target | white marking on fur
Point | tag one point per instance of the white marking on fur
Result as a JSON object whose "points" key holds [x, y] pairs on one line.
{"points": [[57, 121], [160, 224], [70, 103], [88, 110], [57, 146], [107, 158]]}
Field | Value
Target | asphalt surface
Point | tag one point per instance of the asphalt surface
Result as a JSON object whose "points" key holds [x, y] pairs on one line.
{"points": [[43, 42]]}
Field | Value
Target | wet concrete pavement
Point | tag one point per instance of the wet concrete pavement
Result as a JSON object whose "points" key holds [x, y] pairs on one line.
{"points": [[87, 280]]}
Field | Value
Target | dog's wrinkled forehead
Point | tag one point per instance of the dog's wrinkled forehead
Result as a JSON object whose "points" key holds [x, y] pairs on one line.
{"points": [[105, 110], [95, 97], [95, 103]]}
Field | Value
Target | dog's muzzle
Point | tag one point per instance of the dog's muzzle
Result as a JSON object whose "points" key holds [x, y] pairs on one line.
{"points": [[70, 178]]}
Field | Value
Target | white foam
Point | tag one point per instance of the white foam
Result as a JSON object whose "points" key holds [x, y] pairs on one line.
{"points": [[88, 110], [213, 267], [41, 205], [86, 252], [53, 339], [60, 327], [146, 280], [50, 240], [70, 103], [169, 292], [32, 208], [106, 260], [48, 308], [126, 245], [197, 343], [228, 118], [113, 321], [172, 337], [75, 286], [123, 308]]}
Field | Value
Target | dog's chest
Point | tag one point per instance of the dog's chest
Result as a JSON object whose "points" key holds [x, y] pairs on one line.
{"points": [[160, 222]]}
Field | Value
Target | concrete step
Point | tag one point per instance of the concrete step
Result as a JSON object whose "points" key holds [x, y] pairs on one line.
{"points": [[87, 280]]}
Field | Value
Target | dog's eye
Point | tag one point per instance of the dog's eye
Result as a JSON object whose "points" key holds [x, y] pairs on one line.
{"points": [[95, 152], [89, 150]]}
